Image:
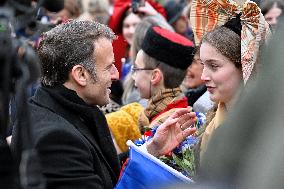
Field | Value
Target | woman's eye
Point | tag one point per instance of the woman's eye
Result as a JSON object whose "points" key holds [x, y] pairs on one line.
{"points": [[126, 26], [214, 66]]}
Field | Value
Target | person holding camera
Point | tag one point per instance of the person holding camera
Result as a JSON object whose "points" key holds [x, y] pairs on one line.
{"points": [[126, 15]]}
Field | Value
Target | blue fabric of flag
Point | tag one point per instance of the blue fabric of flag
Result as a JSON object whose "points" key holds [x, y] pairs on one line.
{"points": [[144, 171]]}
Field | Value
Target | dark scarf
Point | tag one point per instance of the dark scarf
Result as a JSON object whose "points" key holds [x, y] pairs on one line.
{"points": [[91, 116], [193, 95]]}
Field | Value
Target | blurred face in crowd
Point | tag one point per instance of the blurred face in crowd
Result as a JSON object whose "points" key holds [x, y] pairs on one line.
{"points": [[181, 25], [194, 71], [222, 78], [129, 25], [272, 15], [142, 76], [71, 10], [60, 16], [97, 89]]}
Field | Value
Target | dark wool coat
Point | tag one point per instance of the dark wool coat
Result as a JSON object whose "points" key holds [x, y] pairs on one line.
{"points": [[75, 152]]}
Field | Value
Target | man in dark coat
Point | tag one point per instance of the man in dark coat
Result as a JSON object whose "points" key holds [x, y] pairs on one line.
{"points": [[70, 133]]}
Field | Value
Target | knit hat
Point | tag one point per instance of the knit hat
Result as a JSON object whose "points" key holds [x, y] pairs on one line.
{"points": [[169, 47], [174, 10]]}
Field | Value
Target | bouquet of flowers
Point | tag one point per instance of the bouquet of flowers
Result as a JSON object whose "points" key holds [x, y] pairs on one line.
{"points": [[182, 158]]}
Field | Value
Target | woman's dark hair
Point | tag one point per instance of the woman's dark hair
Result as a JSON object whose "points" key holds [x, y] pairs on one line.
{"points": [[266, 5], [125, 14]]}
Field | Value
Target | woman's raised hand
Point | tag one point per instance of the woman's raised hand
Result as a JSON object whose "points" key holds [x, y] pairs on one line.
{"points": [[172, 132]]}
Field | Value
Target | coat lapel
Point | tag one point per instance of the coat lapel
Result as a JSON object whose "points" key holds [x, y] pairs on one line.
{"points": [[85, 131]]}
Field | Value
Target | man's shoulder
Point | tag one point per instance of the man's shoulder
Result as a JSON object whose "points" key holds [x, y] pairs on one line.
{"points": [[51, 128], [43, 107], [46, 124], [41, 112], [46, 119]]}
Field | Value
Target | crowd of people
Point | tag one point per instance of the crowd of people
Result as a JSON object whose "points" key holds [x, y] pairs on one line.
{"points": [[170, 72]]}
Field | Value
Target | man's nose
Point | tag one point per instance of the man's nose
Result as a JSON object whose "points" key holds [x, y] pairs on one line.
{"points": [[114, 73]]}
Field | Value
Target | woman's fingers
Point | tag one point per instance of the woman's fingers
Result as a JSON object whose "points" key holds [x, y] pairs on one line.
{"points": [[187, 132], [182, 119], [188, 123], [187, 120], [180, 112], [170, 121]]}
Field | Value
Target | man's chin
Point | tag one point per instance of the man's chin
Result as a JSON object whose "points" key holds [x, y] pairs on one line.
{"points": [[105, 102]]}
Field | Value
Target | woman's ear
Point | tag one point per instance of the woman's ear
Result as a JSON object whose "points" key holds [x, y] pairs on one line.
{"points": [[157, 77], [79, 75]]}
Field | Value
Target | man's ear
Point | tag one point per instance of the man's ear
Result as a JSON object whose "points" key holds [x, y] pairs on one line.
{"points": [[79, 75], [157, 77]]}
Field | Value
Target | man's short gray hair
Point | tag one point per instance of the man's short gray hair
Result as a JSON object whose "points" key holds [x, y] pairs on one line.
{"points": [[67, 45]]}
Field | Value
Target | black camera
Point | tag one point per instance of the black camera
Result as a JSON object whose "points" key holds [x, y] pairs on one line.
{"points": [[135, 4]]}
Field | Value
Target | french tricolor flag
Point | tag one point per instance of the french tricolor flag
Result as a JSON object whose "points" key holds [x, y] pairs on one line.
{"points": [[144, 171]]}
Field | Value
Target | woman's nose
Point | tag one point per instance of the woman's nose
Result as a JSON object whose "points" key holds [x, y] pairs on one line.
{"points": [[204, 75]]}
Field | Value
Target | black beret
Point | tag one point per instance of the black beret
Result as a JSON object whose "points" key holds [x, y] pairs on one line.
{"points": [[169, 47]]}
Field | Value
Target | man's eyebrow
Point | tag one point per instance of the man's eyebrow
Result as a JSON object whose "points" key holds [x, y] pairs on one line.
{"points": [[210, 61], [110, 65]]}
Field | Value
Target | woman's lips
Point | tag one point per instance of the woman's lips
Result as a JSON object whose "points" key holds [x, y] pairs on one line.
{"points": [[210, 89]]}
